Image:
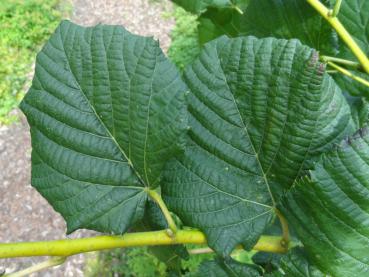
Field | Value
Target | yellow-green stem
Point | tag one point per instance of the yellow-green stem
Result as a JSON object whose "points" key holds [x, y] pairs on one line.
{"points": [[238, 9], [349, 74], [346, 63], [342, 32], [336, 9], [284, 224], [68, 247], [38, 267], [157, 198]]}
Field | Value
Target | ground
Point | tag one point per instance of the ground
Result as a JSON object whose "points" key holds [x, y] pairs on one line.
{"points": [[24, 214]]}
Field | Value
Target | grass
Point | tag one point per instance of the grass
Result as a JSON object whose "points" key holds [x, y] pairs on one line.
{"points": [[185, 46], [24, 26]]}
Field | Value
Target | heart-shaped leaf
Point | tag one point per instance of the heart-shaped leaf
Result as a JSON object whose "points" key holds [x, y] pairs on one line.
{"points": [[259, 110], [106, 110], [329, 209]]}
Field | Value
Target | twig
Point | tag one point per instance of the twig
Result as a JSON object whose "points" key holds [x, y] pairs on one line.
{"points": [[336, 8], [347, 63], [38, 267], [349, 74]]}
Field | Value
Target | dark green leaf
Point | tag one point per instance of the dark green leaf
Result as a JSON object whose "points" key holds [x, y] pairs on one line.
{"points": [[259, 109], [200, 6], [296, 264], [352, 86], [281, 19], [329, 209], [354, 16], [269, 261], [227, 268], [217, 22], [106, 110]]}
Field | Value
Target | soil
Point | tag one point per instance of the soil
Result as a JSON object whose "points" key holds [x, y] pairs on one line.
{"points": [[24, 214]]}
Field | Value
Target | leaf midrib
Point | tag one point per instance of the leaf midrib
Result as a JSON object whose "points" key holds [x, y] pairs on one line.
{"points": [[100, 120], [246, 131]]}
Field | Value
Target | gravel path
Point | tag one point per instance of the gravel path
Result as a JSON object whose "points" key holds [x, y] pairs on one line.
{"points": [[24, 214]]}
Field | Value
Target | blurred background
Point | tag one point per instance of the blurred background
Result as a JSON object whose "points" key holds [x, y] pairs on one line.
{"points": [[24, 215]]}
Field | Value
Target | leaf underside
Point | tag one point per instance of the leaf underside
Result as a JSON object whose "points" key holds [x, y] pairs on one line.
{"points": [[329, 209], [259, 109], [286, 19], [104, 108]]}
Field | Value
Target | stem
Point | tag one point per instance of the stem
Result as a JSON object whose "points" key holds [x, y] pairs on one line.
{"points": [[271, 244], [205, 250], [157, 198], [38, 267], [238, 9], [336, 9], [342, 32], [68, 247], [285, 231], [208, 250], [349, 74], [332, 71], [351, 64]]}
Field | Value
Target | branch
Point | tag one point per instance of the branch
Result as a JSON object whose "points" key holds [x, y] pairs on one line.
{"points": [[349, 74], [346, 63], [69, 247], [237, 9], [342, 32], [336, 9], [38, 267], [207, 250]]}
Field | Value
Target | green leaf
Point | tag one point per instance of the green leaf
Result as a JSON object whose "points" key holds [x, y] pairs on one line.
{"points": [[227, 268], [217, 22], [329, 209], [351, 86], [200, 6], [354, 16], [359, 110], [269, 261], [281, 19], [296, 264], [259, 110], [106, 110]]}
